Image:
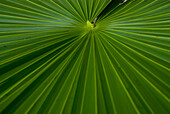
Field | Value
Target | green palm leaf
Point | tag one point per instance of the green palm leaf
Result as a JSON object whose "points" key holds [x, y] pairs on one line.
{"points": [[54, 60]]}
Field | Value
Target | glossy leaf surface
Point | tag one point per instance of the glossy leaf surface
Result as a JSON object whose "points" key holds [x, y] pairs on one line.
{"points": [[53, 60]]}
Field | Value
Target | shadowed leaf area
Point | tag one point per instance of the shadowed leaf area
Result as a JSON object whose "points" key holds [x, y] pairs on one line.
{"points": [[84, 57]]}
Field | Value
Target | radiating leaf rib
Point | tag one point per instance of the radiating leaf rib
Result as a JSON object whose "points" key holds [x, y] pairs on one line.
{"points": [[84, 56]]}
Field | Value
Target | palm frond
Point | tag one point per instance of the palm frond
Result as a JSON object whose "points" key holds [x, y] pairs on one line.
{"points": [[53, 59]]}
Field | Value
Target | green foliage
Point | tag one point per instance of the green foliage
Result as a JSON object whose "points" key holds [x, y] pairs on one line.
{"points": [[54, 60]]}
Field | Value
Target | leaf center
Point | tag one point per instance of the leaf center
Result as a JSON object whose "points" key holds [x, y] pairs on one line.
{"points": [[90, 25]]}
